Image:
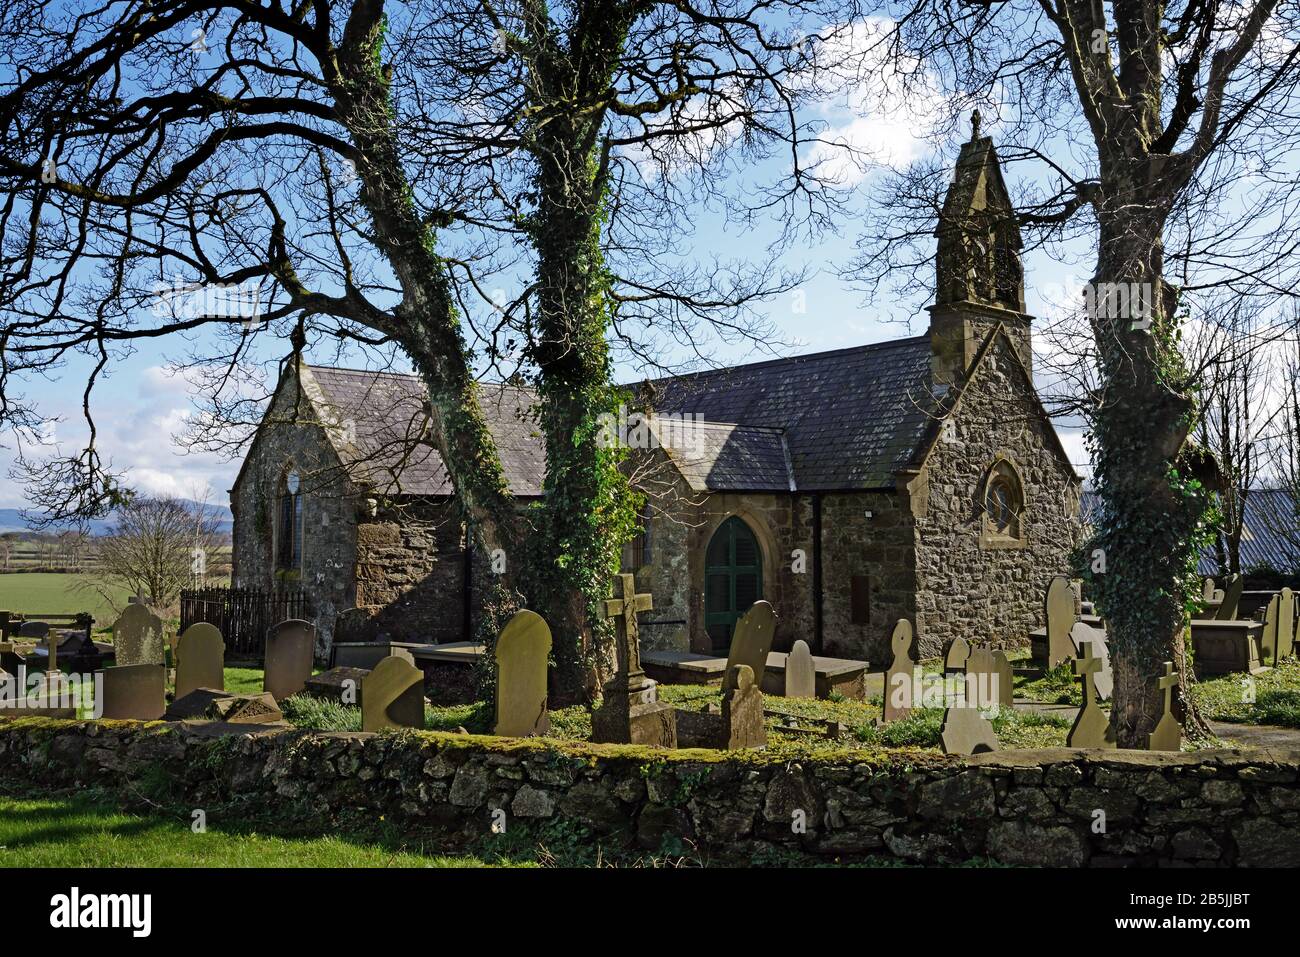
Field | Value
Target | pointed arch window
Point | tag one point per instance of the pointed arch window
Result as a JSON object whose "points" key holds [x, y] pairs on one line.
{"points": [[288, 555], [1003, 506]]}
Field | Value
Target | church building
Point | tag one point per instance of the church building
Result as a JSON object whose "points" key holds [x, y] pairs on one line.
{"points": [[916, 478]]}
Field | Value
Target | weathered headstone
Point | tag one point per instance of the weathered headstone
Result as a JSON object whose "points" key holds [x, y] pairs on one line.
{"points": [[138, 637], [981, 669], [901, 673], [1005, 690], [1104, 680], [954, 658], [392, 696], [200, 659], [1058, 609], [1268, 638], [1231, 598], [742, 711], [290, 653], [966, 731], [521, 654], [195, 705], [631, 712], [135, 692], [1207, 590], [1168, 735], [1286, 624], [751, 642], [1091, 727], [800, 673]]}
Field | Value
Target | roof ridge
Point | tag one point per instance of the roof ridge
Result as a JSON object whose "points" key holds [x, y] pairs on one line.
{"points": [[847, 350]]}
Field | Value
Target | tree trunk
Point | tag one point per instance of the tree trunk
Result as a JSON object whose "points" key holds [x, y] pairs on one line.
{"points": [[1152, 530]]}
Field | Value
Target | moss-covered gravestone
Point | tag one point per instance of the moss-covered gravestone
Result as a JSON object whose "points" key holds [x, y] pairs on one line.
{"points": [[392, 696], [134, 692], [290, 653], [200, 659], [138, 637], [800, 673], [631, 712], [522, 652], [899, 676], [1091, 727], [1168, 735], [742, 711]]}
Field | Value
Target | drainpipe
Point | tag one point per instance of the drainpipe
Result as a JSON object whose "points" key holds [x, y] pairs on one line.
{"points": [[467, 590], [817, 570]]}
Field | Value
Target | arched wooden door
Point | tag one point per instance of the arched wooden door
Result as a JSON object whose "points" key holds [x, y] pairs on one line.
{"points": [[733, 580]]}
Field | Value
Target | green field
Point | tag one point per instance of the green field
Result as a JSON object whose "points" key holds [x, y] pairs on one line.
{"points": [[53, 593], [77, 832]]}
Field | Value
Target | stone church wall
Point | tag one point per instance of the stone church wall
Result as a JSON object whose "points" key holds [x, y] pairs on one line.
{"points": [[992, 593]]}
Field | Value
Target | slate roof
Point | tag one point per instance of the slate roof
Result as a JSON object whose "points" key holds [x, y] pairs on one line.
{"points": [[841, 420], [385, 410], [1271, 537], [851, 418]]}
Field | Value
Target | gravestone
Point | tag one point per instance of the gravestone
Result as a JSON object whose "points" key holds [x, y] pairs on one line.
{"points": [[1207, 590], [10, 659], [338, 684], [1231, 596], [245, 709], [742, 712], [138, 637], [800, 673], [392, 696], [1286, 624], [966, 731], [1268, 638], [1058, 609], [1104, 679], [1226, 647], [980, 680], [1005, 691], [521, 654], [200, 659], [1168, 735], [134, 692], [290, 653], [631, 712], [1091, 727], [901, 672], [751, 641], [81, 655], [954, 658]]}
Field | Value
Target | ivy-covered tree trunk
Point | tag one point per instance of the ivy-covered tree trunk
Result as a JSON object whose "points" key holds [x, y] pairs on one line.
{"points": [[426, 324], [1142, 562], [588, 509]]}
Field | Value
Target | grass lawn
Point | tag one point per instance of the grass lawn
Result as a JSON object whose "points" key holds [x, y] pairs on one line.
{"points": [[1276, 696], [54, 593], [78, 832]]}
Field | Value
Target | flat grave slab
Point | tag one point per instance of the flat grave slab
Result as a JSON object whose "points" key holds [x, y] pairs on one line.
{"points": [[843, 675], [1226, 647]]}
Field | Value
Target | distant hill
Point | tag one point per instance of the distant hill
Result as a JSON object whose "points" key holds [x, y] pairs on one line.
{"points": [[11, 520]]}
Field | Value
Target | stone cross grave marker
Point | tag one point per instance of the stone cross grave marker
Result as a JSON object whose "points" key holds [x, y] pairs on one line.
{"points": [[521, 652], [1091, 727], [392, 696], [200, 659], [742, 711], [290, 653], [1231, 598], [135, 692], [1103, 682], [1168, 735], [899, 676], [954, 659], [1268, 639], [631, 712], [138, 637], [800, 673], [751, 642], [1286, 624], [1058, 608]]}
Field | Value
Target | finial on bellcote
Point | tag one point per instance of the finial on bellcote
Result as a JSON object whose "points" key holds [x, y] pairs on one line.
{"points": [[975, 119]]}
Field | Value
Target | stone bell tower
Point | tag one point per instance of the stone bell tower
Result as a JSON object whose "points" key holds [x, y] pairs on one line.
{"points": [[979, 279]]}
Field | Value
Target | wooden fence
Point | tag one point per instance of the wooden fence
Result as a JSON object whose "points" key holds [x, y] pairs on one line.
{"points": [[244, 614]]}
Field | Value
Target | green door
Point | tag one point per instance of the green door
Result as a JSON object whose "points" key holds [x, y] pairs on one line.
{"points": [[733, 580]]}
